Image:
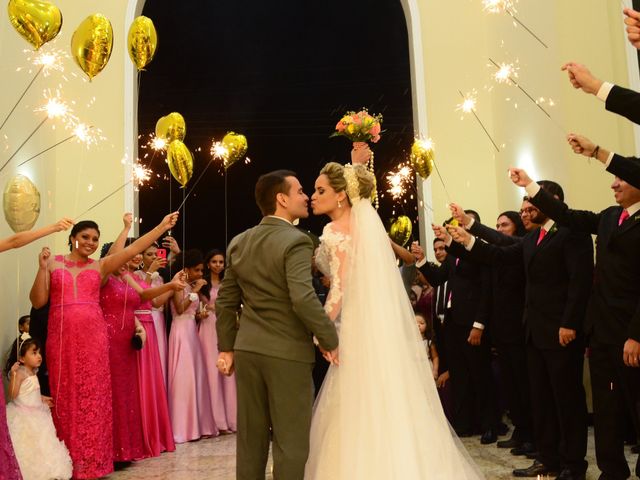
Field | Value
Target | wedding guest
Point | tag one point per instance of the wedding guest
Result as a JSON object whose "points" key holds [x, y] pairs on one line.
{"points": [[8, 464], [426, 332], [78, 343], [149, 270], [613, 321], [222, 387], [188, 385], [559, 270], [40, 454]]}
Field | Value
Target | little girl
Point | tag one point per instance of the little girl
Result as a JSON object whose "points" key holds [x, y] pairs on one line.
{"points": [[429, 344], [39, 452]]}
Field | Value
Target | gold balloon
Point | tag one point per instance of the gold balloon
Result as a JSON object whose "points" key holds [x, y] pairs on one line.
{"points": [[91, 44], [422, 157], [171, 127], [180, 162], [236, 145], [36, 21], [400, 231], [142, 41], [21, 203]]}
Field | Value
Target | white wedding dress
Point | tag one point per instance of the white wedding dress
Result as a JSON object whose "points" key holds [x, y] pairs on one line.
{"points": [[378, 414]]}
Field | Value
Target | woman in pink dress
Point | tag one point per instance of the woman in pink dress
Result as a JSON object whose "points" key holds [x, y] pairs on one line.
{"points": [[223, 387], [188, 387], [148, 272], [9, 468], [156, 423], [78, 344]]}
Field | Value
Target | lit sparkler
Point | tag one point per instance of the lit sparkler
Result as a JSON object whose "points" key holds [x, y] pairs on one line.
{"points": [[507, 6], [468, 105], [158, 143], [219, 151], [140, 174], [506, 73]]}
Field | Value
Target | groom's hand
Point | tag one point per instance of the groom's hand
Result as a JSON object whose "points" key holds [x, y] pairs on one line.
{"points": [[225, 363], [331, 357]]}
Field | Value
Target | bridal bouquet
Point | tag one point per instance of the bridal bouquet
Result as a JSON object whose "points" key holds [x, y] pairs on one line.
{"points": [[359, 127]]}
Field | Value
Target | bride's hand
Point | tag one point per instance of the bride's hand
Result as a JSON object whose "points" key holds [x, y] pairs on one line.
{"points": [[360, 154]]}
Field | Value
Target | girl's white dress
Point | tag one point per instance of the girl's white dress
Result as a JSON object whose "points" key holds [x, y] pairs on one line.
{"points": [[39, 452]]}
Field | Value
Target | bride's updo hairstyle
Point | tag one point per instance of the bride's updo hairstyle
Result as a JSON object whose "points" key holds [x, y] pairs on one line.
{"points": [[356, 180]]}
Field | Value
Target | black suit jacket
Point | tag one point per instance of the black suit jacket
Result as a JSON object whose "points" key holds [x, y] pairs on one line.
{"points": [[624, 102], [507, 290], [613, 314], [468, 283], [558, 275]]}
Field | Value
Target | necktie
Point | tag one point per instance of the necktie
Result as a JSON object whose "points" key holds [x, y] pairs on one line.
{"points": [[623, 216], [542, 234]]}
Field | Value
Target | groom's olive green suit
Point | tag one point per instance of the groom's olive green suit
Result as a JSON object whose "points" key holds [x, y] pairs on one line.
{"points": [[267, 282]]}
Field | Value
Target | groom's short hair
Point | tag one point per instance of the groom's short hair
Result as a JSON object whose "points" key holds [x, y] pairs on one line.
{"points": [[269, 185]]}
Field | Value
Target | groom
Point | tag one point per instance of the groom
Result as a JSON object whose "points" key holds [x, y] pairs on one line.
{"points": [[267, 313]]}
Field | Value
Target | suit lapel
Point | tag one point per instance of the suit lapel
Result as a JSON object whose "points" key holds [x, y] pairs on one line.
{"points": [[627, 225]]}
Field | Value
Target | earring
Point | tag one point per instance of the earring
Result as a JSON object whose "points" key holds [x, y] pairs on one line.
{"points": [[339, 204]]}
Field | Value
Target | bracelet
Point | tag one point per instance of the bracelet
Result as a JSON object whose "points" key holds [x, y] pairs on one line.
{"points": [[595, 151]]}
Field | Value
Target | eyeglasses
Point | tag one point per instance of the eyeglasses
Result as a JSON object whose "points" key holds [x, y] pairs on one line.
{"points": [[528, 211]]}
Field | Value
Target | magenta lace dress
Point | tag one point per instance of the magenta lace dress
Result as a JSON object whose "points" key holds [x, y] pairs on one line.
{"points": [[9, 469], [119, 301], [78, 361]]}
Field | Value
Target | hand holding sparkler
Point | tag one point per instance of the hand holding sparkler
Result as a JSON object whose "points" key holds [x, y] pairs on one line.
{"points": [[584, 146], [632, 21], [459, 235], [458, 213], [441, 232], [581, 78], [519, 177]]}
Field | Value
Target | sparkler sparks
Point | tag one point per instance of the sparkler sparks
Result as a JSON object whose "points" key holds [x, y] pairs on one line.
{"points": [[50, 61], [498, 6], [140, 174], [219, 151], [400, 181], [158, 143], [506, 73]]}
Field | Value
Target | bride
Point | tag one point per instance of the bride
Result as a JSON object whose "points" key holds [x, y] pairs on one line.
{"points": [[378, 415]]}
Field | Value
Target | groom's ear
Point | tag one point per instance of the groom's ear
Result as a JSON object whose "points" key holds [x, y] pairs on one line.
{"points": [[282, 200]]}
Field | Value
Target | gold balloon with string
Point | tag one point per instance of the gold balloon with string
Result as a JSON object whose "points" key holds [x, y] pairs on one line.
{"points": [[171, 127], [400, 230], [180, 162], [91, 44], [37, 21], [422, 157], [236, 145], [142, 41], [21, 203]]}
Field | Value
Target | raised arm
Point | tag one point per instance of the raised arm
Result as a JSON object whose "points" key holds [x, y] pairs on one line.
{"points": [[111, 263], [479, 230], [39, 294], [175, 285], [118, 244], [23, 238]]}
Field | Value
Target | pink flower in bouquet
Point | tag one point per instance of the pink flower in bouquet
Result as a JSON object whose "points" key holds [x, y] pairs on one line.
{"points": [[375, 131], [357, 119], [340, 126], [375, 139]]}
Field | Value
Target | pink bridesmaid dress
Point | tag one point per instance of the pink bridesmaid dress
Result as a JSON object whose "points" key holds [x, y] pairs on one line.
{"points": [[9, 468], [160, 324], [188, 386], [154, 408], [223, 388], [119, 301], [78, 362]]}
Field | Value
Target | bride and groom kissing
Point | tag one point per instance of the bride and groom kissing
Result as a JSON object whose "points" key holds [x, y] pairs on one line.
{"points": [[378, 414]]}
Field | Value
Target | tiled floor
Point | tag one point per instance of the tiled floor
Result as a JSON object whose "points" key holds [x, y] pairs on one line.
{"points": [[214, 459]]}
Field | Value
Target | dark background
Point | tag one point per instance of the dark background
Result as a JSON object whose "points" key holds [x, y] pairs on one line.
{"points": [[282, 73]]}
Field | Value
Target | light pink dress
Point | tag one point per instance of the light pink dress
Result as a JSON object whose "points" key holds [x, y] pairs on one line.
{"points": [[223, 388], [188, 387], [154, 408], [159, 324]]}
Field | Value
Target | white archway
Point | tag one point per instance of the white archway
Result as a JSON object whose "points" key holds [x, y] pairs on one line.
{"points": [[418, 91]]}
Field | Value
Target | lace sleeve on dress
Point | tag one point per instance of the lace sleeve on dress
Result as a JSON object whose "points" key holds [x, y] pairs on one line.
{"points": [[336, 246]]}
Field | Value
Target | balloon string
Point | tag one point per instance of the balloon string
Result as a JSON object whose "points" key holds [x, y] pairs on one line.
{"points": [[25, 141], [22, 96]]}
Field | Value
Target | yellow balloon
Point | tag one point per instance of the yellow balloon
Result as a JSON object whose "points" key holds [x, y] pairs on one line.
{"points": [[422, 157], [400, 231], [142, 41], [180, 162], [36, 21], [91, 44], [171, 127], [236, 145], [21, 203]]}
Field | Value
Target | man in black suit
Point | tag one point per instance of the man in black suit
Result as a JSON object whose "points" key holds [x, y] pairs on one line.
{"points": [[613, 315], [468, 346], [558, 268]]}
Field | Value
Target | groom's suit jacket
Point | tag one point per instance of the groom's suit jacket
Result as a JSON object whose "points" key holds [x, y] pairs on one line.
{"points": [[269, 274]]}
